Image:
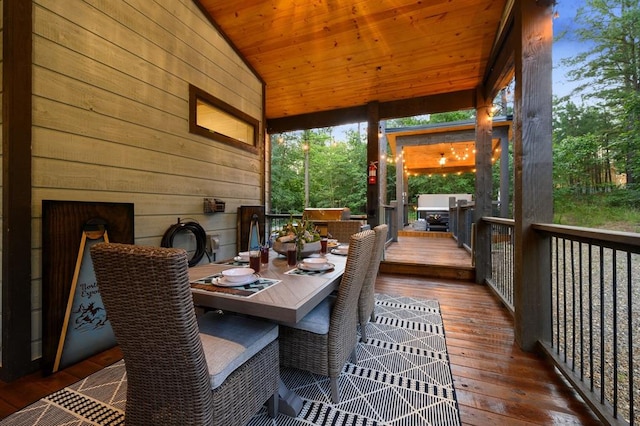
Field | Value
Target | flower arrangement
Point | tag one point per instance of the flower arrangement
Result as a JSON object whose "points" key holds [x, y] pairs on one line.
{"points": [[302, 233]]}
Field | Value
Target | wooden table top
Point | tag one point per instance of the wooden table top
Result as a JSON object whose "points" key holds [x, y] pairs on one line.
{"points": [[288, 301]]}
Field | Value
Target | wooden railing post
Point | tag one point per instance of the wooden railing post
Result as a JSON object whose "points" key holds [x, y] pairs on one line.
{"points": [[461, 232], [533, 181], [393, 222]]}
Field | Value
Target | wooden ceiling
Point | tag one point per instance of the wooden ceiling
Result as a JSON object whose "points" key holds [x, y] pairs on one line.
{"points": [[323, 55]]}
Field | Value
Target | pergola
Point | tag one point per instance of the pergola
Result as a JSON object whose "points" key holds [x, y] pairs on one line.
{"points": [[445, 148]]}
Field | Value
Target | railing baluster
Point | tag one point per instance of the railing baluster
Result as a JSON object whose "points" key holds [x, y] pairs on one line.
{"points": [[573, 308], [602, 329], [614, 291], [630, 341], [564, 298], [580, 286], [587, 323], [591, 358]]}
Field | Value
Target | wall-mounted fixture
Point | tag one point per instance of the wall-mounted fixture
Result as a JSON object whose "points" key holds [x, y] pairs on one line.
{"points": [[213, 205]]}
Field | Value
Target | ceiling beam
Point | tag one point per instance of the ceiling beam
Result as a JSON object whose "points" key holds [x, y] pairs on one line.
{"points": [[446, 170], [444, 102], [501, 65]]}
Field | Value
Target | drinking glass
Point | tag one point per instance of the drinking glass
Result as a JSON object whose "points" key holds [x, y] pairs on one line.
{"points": [[254, 260], [292, 255], [323, 246], [264, 254]]}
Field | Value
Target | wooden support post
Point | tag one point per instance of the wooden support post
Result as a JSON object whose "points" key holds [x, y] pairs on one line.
{"points": [[484, 187], [533, 184], [400, 189], [16, 189], [373, 157], [504, 175]]}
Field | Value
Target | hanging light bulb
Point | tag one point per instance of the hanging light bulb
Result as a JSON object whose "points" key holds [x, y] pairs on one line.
{"points": [[442, 159]]}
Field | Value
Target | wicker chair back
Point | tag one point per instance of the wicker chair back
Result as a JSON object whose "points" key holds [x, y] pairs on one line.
{"points": [[366, 301], [148, 299], [326, 354], [342, 230]]}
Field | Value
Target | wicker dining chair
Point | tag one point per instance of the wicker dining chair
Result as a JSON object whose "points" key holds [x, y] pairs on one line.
{"points": [[342, 230], [366, 301], [181, 370], [326, 337]]}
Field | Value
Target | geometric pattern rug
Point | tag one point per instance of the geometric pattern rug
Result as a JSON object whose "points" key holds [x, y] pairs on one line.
{"points": [[402, 378]]}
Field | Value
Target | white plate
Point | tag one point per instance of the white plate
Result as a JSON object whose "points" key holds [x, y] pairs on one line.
{"points": [[325, 267], [223, 282], [241, 259], [341, 252]]}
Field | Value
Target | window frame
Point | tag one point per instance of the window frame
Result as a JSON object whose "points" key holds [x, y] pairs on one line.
{"points": [[196, 94]]}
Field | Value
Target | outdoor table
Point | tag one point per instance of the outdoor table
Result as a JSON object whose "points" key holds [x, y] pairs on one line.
{"points": [[294, 295]]}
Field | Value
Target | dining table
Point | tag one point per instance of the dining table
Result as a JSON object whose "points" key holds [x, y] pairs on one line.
{"points": [[289, 293]]}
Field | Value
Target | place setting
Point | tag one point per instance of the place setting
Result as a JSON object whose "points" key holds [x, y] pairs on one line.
{"points": [[340, 249], [312, 266], [241, 281]]}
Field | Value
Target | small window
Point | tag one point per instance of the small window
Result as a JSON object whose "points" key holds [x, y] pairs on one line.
{"points": [[212, 118]]}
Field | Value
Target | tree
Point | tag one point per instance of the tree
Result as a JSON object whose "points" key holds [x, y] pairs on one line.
{"points": [[287, 168], [609, 71], [337, 171], [581, 148]]}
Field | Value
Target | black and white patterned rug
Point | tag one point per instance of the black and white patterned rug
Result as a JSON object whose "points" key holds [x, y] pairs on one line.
{"points": [[402, 378]]}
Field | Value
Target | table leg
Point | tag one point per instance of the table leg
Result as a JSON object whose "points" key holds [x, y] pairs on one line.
{"points": [[290, 403]]}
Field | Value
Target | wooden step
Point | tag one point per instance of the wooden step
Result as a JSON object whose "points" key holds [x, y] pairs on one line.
{"points": [[424, 234], [448, 272]]}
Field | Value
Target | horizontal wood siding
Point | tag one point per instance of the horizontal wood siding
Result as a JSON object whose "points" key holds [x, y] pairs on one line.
{"points": [[110, 117]]}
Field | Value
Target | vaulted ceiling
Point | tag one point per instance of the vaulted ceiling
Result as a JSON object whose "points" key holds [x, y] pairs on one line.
{"points": [[323, 55]]}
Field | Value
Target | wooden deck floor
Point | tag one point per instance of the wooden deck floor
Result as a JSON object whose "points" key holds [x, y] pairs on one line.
{"points": [[496, 383]]}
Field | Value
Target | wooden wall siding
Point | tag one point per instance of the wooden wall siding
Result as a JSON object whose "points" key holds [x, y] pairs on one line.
{"points": [[110, 117]]}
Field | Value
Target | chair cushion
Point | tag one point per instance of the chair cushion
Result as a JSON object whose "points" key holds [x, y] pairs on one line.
{"points": [[317, 321], [230, 340]]}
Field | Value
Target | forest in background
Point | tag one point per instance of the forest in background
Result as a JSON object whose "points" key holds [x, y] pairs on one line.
{"points": [[596, 138]]}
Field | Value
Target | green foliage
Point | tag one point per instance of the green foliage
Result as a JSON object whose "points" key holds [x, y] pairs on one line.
{"points": [[608, 71], [442, 117], [617, 210], [337, 171], [287, 174]]}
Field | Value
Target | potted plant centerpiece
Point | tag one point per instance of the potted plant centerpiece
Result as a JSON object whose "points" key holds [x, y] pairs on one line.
{"points": [[300, 232]]}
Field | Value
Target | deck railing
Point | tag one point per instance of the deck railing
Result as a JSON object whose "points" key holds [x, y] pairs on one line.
{"points": [[502, 244], [595, 310], [595, 313], [461, 224]]}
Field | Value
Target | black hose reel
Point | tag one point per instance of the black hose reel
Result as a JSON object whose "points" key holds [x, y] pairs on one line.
{"points": [[193, 227]]}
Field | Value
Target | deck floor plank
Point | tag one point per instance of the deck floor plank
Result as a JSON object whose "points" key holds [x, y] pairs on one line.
{"points": [[495, 381]]}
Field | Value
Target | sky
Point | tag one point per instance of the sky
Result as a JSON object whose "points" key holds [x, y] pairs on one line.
{"points": [[567, 46]]}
